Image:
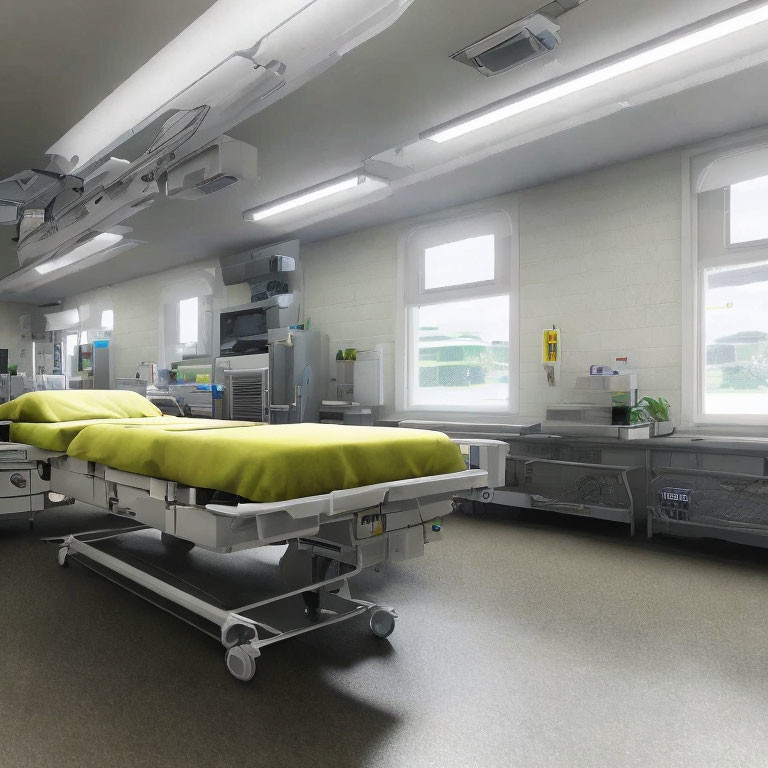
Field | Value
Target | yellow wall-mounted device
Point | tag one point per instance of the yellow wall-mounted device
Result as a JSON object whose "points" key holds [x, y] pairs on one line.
{"points": [[551, 346]]}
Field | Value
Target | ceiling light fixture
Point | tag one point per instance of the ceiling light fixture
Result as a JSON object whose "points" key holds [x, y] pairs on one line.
{"points": [[710, 29], [102, 242], [357, 180], [233, 56]]}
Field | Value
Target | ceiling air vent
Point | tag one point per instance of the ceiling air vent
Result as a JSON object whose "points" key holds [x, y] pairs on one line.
{"points": [[512, 46]]}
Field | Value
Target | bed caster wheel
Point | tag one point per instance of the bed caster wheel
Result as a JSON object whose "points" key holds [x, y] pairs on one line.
{"points": [[62, 556], [240, 663], [383, 622]]}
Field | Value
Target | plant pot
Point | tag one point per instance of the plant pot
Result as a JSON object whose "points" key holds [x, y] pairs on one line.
{"points": [[345, 373], [661, 428]]}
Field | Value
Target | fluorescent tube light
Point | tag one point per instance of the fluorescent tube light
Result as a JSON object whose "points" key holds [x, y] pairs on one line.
{"points": [[714, 28], [326, 189], [226, 27], [101, 242], [206, 57]]}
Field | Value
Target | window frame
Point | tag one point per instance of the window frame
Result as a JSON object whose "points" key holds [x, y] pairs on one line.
{"points": [[696, 259], [411, 294]]}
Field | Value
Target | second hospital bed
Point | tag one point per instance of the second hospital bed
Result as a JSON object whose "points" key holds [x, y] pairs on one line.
{"points": [[341, 498]]}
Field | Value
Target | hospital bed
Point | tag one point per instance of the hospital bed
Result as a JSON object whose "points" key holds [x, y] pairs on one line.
{"points": [[339, 499]]}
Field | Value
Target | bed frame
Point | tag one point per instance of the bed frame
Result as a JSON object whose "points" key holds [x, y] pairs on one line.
{"points": [[331, 537]]}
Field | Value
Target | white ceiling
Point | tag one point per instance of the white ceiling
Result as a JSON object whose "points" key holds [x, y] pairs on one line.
{"points": [[59, 59], [380, 97]]}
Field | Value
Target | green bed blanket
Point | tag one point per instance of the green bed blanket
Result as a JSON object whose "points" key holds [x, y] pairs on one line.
{"points": [[58, 435], [270, 462]]}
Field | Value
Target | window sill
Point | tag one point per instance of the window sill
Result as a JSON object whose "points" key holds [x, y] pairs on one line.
{"points": [[459, 417], [722, 429]]}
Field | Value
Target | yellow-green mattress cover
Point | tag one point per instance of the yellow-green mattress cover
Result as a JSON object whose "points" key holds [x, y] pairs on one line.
{"points": [[270, 462], [57, 436]]}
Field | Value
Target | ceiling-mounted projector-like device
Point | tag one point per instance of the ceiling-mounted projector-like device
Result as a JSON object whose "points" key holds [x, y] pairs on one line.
{"points": [[512, 46], [260, 263], [217, 166]]}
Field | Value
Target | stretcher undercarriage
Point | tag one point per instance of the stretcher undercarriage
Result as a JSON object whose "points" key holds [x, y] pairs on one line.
{"points": [[329, 538]]}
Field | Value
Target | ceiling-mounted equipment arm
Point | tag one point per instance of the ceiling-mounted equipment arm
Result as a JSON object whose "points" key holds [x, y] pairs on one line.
{"points": [[234, 61]]}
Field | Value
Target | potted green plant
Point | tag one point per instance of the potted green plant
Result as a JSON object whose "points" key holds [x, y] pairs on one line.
{"points": [[653, 411]]}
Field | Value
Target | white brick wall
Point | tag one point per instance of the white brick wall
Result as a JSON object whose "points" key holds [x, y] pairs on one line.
{"points": [[600, 257], [19, 350], [349, 293], [137, 305]]}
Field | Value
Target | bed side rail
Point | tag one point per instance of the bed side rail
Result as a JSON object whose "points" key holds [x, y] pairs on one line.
{"points": [[488, 455], [367, 496]]}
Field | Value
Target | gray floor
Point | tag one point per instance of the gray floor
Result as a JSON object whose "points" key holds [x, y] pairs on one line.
{"points": [[521, 642]]}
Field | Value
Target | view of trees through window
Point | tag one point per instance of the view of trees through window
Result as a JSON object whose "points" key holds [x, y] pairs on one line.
{"points": [[463, 353], [736, 340]]}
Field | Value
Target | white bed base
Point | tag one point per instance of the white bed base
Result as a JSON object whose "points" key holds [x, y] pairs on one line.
{"points": [[348, 530], [174, 509], [24, 481]]}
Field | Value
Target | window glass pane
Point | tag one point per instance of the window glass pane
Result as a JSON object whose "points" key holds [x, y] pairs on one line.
{"points": [[107, 319], [461, 351], [461, 262], [188, 321], [71, 344], [749, 210], [736, 340], [71, 354]]}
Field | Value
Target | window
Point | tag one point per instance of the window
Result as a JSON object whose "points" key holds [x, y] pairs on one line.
{"points": [[71, 354], [186, 327], [108, 319], [736, 340], [731, 297], [188, 321], [71, 344], [459, 316], [463, 353], [465, 261], [185, 321], [748, 221]]}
